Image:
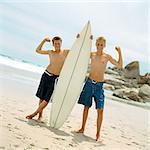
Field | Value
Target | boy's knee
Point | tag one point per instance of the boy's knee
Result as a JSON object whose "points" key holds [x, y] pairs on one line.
{"points": [[86, 107], [100, 111]]}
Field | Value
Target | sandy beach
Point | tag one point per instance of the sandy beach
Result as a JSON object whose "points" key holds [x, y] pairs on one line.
{"points": [[125, 127]]}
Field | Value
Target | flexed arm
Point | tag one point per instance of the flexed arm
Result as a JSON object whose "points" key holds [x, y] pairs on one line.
{"points": [[119, 63], [39, 48]]}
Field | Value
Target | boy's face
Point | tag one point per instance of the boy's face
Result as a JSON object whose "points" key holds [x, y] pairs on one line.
{"points": [[100, 44], [57, 44]]}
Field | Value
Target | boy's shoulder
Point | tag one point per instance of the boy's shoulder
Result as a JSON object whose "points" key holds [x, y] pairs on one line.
{"points": [[106, 55], [51, 51], [93, 53], [66, 49]]}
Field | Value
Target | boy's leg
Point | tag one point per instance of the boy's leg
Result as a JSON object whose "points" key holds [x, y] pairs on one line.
{"points": [[40, 114], [99, 122], [42, 105], [85, 114]]}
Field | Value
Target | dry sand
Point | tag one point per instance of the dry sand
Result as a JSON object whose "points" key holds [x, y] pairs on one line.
{"points": [[125, 127]]}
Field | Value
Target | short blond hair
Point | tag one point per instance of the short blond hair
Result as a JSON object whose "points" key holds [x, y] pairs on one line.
{"points": [[101, 39]]}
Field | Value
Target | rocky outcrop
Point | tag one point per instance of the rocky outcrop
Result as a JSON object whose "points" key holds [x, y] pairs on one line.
{"points": [[112, 72], [132, 70], [109, 87], [122, 83], [144, 92], [128, 94], [144, 79], [127, 83]]}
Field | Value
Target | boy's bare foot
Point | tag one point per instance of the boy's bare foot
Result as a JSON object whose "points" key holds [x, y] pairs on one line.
{"points": [[97, 136], [40, 119], [29, 117], [80, 131]]}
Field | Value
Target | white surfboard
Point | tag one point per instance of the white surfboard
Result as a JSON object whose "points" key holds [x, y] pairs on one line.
{"points": [[71, 78]]}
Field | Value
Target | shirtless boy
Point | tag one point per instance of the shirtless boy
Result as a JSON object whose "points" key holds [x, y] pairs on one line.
{"points": [[46, 86], [94, 84]]}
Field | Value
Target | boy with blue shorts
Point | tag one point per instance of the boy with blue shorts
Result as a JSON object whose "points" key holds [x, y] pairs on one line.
{"points": [[93, 87]]}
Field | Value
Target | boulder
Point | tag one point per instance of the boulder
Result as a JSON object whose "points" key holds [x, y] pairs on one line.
{"points": [[128, 94], [134, 96], [114, 82], [144, 92], [142, 80], [109, 87], [119, 93], [109, 71], [132, 70], [115, 69]]}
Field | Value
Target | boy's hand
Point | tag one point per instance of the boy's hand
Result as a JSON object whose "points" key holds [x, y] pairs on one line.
{"points": [[47, 39], [118, 49], [91, 37], [78, 35]]}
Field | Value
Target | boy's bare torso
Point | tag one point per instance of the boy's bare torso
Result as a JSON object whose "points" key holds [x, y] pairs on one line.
{"points": [[97, 70], [56, 61], [98, 66]]}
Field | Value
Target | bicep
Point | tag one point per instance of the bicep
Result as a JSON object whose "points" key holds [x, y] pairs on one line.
{"points": [[45, 52], [67, 51], [113, 61], [91, 54]]}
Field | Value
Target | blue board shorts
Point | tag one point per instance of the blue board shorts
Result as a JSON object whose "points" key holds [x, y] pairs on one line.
{"points": [[46, 86], [92, 89]]}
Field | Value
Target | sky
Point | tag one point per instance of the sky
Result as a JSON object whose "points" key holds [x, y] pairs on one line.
{"points": [[23, 25]]}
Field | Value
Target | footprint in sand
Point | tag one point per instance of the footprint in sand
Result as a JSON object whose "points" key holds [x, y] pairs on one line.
{"points": [[2, 147], [16, 146], [69, 126], [16, 128], [13, 114], [105, 133], [113, 127], [123, 137], [117, 141], [20, 110], [135, 143], [32, 144], [128, 144], [72, 145], [18, 137], [100, 143], [62, 139]]}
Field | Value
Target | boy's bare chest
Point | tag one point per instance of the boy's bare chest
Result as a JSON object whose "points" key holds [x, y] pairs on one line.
{"points": [[99, 60], [57, 58]]}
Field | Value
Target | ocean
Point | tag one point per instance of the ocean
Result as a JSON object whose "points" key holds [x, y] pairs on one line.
{"points": [[20, 64], [33, 67]]}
